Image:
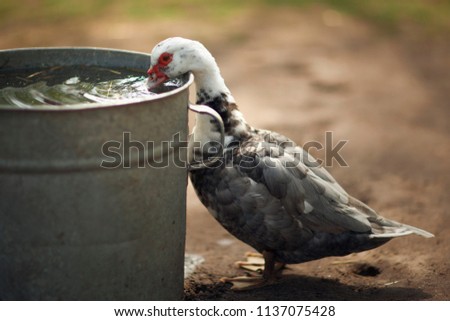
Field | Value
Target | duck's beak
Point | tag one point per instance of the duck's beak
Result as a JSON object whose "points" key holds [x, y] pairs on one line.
{"points": [[155, 77]]}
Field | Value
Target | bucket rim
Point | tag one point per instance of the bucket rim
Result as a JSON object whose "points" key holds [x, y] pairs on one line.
{"points": [[92, 106]]}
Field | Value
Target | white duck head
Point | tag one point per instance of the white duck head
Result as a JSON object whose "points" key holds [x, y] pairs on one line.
{"points": [[176, 56]]}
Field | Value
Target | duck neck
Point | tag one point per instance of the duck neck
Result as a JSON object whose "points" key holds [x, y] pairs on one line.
{"points": [[212, 92]]}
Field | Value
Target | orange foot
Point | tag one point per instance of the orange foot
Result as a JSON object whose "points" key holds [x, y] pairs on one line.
{"points": [[255, 262]]}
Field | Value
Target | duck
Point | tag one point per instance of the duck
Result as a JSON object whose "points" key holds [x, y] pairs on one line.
{"points": [[264, 189]]}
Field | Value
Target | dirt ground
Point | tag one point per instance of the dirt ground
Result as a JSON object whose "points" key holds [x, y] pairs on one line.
{"points": [[303, 73]]}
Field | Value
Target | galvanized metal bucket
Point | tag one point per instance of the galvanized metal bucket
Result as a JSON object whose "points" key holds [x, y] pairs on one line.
{"points": [[73, 230]]}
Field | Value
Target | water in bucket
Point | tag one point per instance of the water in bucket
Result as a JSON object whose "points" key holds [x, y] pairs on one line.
{"points": [[64, 85]]}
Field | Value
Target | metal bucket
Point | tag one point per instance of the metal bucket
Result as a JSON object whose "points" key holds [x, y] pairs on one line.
{"points": [[73, 230]]}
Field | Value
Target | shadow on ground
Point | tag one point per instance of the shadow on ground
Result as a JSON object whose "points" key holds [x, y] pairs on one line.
{"points": [[297, 287]]}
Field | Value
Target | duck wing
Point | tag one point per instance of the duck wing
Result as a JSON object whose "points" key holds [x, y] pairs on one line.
{"points": [[307, 192]]}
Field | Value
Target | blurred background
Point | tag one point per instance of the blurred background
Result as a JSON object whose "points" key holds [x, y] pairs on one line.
{"points": [[31, 22], [374, 72]]}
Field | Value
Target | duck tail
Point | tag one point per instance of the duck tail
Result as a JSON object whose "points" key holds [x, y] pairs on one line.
{"points": [[401, 230]]}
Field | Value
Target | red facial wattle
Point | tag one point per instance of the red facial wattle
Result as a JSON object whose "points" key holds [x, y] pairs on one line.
{"points": [[155, 74]]}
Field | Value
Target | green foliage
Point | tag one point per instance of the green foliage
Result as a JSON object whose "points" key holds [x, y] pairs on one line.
{"points": [[177, 8], [428, 14], [49, 10]]}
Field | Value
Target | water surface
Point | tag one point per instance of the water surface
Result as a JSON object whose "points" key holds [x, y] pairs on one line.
{"points": [[62, 86]]}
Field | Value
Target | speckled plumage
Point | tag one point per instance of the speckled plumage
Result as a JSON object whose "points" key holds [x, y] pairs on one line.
{"points": [[267, 191]]}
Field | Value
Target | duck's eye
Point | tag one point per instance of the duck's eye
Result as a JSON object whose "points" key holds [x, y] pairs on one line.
{"points": [[165, 59]]}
